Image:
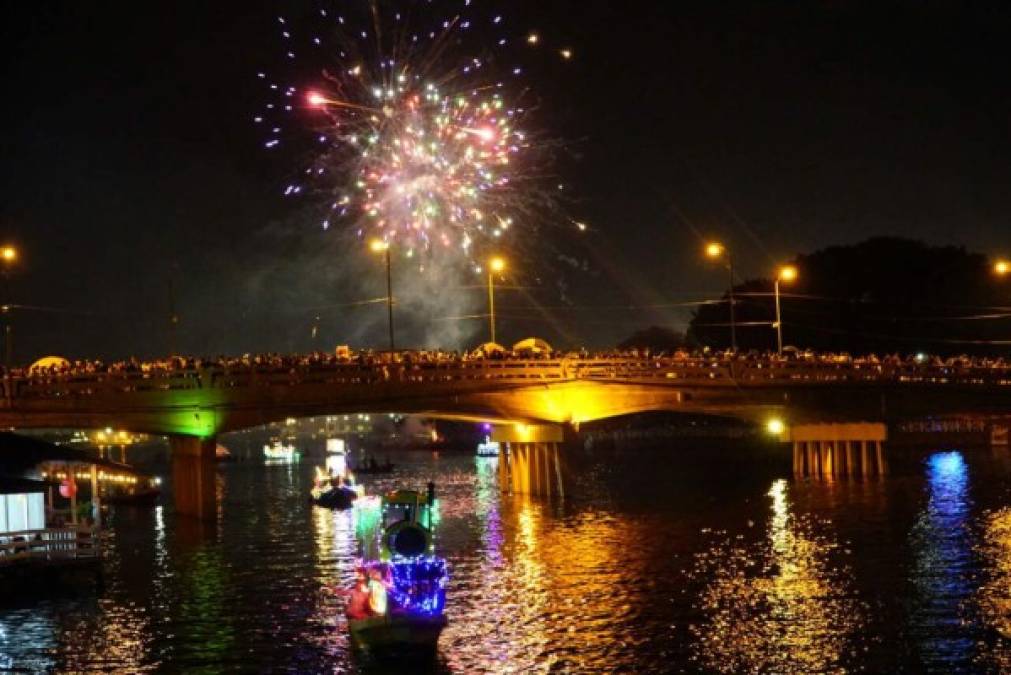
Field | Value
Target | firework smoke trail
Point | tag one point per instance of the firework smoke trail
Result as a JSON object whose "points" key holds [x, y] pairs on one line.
{"points": [[412, 117]]}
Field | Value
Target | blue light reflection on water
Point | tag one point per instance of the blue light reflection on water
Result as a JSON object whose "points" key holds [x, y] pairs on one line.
{"points": [[943, 563], [605, 582]]}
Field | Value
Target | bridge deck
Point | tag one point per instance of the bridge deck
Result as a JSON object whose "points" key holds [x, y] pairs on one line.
{"points": [[697, 372], [211, 399]]}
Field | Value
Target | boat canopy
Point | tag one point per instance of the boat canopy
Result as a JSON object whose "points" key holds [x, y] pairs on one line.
{"points": [[406, 498], [16, 485], [20, 455]]}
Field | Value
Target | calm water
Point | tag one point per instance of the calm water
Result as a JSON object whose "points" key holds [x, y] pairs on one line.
{"points": [[666, 561]]}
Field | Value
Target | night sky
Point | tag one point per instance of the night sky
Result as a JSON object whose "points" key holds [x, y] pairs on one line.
{"points": [[130, 164]]}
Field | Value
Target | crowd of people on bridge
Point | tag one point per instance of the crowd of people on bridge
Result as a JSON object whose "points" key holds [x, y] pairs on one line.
{"points": [[59, 369]]}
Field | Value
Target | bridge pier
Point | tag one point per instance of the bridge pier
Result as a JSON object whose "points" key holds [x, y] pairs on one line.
{"points": [[837, 458], [839, 449], [998, 434], [532, 464], [193, 476]]}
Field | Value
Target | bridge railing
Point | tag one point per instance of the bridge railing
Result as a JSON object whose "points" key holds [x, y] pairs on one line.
{"points": [[78, 386], [687, 371]]}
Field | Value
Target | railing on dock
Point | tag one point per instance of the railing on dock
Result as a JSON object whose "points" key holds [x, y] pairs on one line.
{"points": [[49, 545]]}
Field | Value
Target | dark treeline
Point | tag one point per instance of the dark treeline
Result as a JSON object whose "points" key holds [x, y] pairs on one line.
{"points": [[881, 295]]}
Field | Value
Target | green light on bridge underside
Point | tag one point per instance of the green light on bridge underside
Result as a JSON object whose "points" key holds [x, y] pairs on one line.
{"points": [[188, 412]]}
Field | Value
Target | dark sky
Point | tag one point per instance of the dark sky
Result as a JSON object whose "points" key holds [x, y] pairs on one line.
{"points": [[129, 162]]}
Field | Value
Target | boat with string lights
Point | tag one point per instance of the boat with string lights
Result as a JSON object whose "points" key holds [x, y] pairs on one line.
{"points": [[141, 491], [488, 448], [276, 451], [334, 485], [401, 590]]}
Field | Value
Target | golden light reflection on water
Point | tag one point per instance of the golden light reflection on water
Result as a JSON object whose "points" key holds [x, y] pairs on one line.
{"points": [[994, 595], [336, 553], [779, 604], [122, 636], [535, 581]]}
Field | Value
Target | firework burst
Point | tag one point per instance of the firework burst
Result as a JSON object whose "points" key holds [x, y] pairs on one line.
{"points": [[411, 116]]}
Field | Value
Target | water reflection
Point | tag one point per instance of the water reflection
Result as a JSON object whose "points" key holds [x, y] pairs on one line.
{"points": [[994, 595], [540, 595], [942, 560], [487, 509], [780, 604], [207, 634], [618, 578], [336, 551]]}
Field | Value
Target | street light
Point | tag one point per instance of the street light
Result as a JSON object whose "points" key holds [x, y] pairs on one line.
{"points": [[787, 273], [380, 246], [1002, 268], [8, 257], [775, 426], [717, 251], [496, 264]]}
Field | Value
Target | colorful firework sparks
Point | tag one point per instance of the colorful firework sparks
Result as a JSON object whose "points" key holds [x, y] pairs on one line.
{"points": [[416, 115]]}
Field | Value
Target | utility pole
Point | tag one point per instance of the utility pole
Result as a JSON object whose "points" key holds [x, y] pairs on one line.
{"points": [[173, 317]]}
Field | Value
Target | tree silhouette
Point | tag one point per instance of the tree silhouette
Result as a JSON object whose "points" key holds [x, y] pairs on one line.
{"points": [[881, 295]]}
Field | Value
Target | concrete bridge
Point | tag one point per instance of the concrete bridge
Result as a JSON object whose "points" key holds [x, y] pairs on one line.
{"points": [[193, 406]]}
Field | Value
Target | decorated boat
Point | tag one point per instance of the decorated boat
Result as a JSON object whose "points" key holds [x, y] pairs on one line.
{"points": [[144, 492], [223, 454], [404, 582], [278, 451], [334, 485], [488, 448], [371, 466]]}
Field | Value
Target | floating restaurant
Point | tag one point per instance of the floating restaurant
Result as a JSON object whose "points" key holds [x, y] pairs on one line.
{"points": [[45, 524]]}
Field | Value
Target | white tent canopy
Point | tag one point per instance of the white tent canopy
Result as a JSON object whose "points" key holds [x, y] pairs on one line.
{"points": [[489, 348], [49, 362], [532, 344]]}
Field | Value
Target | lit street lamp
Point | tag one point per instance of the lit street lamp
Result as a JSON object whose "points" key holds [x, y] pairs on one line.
{"points": [[379, 246], [496, 264], [1002, 268], [8, 258], [717, 251], [786, 273]]}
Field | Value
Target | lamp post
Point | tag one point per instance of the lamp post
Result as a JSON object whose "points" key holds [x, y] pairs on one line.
{"points": [[8, 258], [786, 273], [496, 264], [717, 251], [379, 246]]}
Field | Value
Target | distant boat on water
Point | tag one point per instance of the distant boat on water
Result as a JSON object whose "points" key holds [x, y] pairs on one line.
{"points": [[488, 448], [278, 451]]}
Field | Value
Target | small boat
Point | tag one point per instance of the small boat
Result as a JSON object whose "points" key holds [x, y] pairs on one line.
{"points": [[334, 486], [278, 451], [407, 584], [135, 495], [337, 497], [372, 467], [133, 498], [223, 454], [488, 448], [398, 632]]}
